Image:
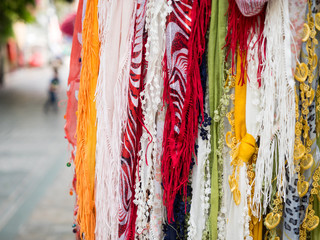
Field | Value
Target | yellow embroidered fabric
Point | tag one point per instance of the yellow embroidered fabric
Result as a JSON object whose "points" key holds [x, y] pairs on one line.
{"points": [[86, 123], [303, 158], [255, 226]]}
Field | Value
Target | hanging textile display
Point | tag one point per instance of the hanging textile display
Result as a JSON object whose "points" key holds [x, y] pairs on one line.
{"points": [[133, 130], [195, 119], [277, 127], [116, 19], [148, 184], [86, 123]]}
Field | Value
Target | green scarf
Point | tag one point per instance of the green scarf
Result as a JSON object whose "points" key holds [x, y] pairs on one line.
{"points": [[218, 27]]}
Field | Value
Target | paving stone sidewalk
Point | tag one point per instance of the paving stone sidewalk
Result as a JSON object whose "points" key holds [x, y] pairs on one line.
{"points": [[34, 180]]}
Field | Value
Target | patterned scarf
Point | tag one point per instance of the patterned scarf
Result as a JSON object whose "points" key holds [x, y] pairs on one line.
{"points": [[133, 130], [186, 29], [251, 8]]}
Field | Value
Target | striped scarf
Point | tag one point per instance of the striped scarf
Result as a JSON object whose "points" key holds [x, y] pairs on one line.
{"points": [[133, 130]]}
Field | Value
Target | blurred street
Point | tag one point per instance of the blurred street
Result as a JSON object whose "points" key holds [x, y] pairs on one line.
{"points": [[34, 195]]}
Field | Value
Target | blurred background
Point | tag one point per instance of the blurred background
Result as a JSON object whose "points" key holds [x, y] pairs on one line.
{"points": [[35, 42]]}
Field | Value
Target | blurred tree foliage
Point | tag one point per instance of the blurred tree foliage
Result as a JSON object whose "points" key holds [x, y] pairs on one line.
{"points": [[12, 11]]}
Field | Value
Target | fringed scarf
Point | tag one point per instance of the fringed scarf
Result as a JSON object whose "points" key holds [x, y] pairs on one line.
{"points": [[86, 123], [116, 21], [240, 31], [277, 133], [186, 29], [133, 129]]}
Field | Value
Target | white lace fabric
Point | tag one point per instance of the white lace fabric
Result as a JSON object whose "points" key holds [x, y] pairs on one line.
{"points": [[148, 197]]}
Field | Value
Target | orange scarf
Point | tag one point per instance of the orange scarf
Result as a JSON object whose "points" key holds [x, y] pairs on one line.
{"points": [[86, 125]]}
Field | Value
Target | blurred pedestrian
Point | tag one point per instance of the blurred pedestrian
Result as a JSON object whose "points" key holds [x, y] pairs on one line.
{"points": [[52, 101]]}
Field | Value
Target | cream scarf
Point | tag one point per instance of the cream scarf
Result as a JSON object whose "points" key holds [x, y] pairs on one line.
{"points": [[115, 29], [278, 114]]}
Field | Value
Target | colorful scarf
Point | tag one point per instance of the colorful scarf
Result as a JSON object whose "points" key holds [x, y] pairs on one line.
{"points": [[186, 29], [240, 31], [74, 80], [133, 129], [216, 57], [148, 184], [250, 8], [86, 123], [278, 119]]}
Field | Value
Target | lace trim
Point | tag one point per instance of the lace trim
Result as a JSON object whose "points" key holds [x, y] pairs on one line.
{"points": [[148, 189]]}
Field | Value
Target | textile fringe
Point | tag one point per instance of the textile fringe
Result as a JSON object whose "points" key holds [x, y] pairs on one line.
{"points": [[278, 102], [241, 29], [108, 138], [86, 125], [178, 148]]}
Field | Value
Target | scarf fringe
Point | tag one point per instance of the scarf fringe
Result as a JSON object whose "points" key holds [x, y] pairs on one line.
{"points": [[278, 121], [241, 29], [178, 150]]}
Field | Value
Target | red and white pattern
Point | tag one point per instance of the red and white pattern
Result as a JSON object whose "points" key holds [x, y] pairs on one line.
{"points": [[250, 8], [133, 130], [175, 87]]}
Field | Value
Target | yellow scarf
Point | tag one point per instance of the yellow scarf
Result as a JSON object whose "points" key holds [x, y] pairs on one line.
{"points": [[247, 143], [86, 122]]}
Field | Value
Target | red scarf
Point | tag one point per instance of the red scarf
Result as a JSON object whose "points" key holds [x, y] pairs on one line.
{"points": [[186, 29], [240, 31], [133, 130]]}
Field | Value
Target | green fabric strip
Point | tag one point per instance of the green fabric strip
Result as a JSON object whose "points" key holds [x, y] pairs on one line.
{"points": [[216, 57], [315, 234]]}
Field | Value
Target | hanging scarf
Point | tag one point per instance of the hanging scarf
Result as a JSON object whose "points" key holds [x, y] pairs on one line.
{"points": [[147, 197], [250, 8], [186, 29], [240, 31], [133, 130], [278, 121], [216, 55], [73, 81], [199, 208], [70, 127], [86, 123], [116, 19]]}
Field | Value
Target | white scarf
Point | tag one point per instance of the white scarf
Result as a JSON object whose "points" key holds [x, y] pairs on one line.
{"points": [[115, 29], [278, 121], [147, 183]]}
